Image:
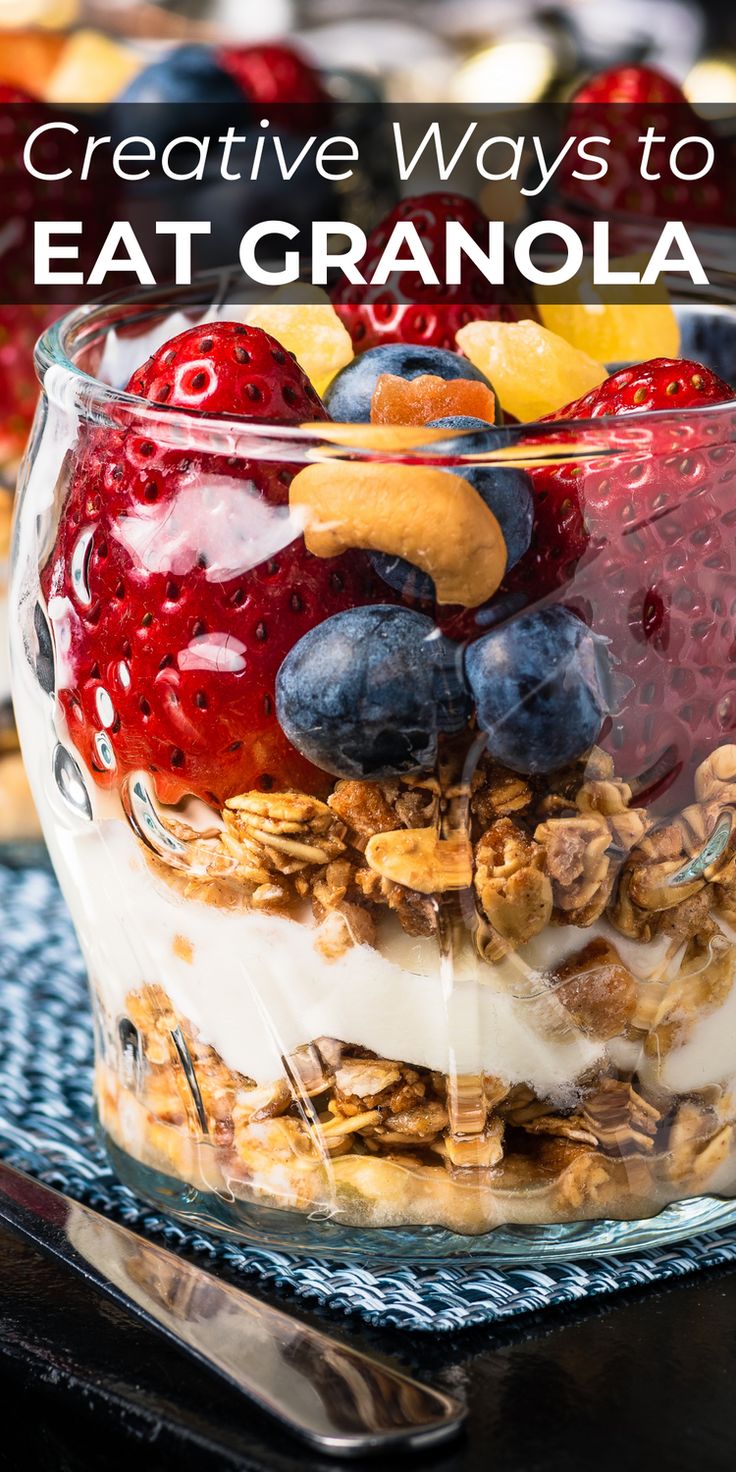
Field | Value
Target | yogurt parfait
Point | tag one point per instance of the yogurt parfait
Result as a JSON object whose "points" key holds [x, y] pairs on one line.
{"points": [[376, 690]]}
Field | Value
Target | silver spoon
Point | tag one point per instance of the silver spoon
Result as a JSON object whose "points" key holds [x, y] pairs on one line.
{"points": [[336, 1398]]}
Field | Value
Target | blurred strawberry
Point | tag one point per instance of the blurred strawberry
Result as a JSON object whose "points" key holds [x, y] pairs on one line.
{"points": [[19, 328], [659, 576], [270, 74], [622, 104]]}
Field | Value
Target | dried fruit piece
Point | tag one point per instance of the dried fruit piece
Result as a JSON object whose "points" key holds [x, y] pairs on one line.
{"points": [[312, 331], [620, 332], [91, 68], [420, 400], [532, 369], [433, 518], [418, 859], [597, 990]]}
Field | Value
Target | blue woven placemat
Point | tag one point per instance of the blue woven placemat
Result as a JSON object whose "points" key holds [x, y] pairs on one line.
{"points": [[46, 1128]]}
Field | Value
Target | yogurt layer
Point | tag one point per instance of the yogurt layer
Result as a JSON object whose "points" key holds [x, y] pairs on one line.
{"points": [[256, 987]]}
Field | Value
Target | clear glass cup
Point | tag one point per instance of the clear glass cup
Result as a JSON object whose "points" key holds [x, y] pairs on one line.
{"points": [[459, 1009]]}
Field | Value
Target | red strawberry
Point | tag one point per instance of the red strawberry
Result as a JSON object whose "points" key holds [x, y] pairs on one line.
{"points": [[622, 104], [660, 383], [177, 589], [13, 94], [229, 368], [630, 84], [409, 311], [659, 577], [273, 74], [19, 328]]}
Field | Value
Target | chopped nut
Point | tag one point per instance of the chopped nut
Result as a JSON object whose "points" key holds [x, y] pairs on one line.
{"points": [[261, 1144], [620, 1119], [703, 984], [515, 894], [366, 1078], [377, 1083], [596, 990], [647, 902], [343, 928], [364, 807], [496, 792], [410, 1126], [309, 1071], [715, 778], [604, 796], [415, 912], [578, 863], [698, 1142], [263, 1103], [418, 859], [584, 851], [583, 1174], [482, 1151]]}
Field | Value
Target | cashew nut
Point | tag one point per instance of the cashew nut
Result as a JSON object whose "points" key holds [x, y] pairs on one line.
{"points": [[419, 859], [435, 519], [385, 437]]}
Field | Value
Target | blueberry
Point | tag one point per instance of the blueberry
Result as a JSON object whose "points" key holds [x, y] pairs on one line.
{"points": [[542, 686], [506, 491], [186, 74], [348, 397], [367, 693]]}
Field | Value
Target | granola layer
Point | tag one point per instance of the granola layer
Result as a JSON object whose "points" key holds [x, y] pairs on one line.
{"points": [[377, 1142]]}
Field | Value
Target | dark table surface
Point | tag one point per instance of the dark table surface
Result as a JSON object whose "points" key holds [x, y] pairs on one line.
{"points": [[644, 1380]]}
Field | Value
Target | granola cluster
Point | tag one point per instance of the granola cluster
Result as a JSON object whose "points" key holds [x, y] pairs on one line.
{"points": [[528, 854]]}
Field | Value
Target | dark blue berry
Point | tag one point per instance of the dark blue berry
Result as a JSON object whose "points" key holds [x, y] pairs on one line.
{"points": [[186, 74], [367, 693], [348, 397], [542, 687], [506, 491]]}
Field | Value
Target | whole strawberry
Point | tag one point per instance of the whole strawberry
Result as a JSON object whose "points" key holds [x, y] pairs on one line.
{"points": [[630, 84], [408, 310], [178, 587], [621, 104], [658, 576], [229, 368]]}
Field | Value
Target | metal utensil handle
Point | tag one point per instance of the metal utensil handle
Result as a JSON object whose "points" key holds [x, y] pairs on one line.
{"points": [[336, 1398]]}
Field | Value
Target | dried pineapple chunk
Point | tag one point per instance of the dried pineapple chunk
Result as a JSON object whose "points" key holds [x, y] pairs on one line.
{"points": [[616, 332], [533, 370], [311, 330], [91, 68], [608, 324]]}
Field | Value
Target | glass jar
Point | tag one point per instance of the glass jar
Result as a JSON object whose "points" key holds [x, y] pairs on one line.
{"points": [[475, 995]]}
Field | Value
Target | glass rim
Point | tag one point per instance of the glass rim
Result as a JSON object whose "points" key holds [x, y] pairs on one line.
{"points": [[534, 442]]}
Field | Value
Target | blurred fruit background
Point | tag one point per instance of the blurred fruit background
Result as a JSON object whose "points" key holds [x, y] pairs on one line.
{"points": [[424, 50]]}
